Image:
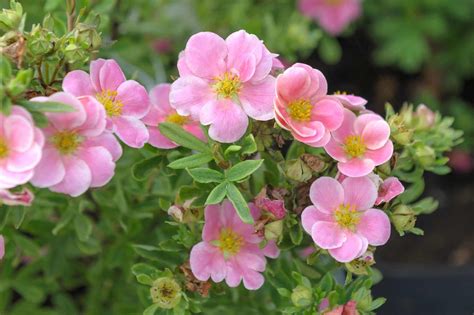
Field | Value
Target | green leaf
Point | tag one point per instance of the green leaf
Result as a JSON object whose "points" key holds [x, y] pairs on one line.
{"points": [[142, 268], [191, 161], [239, 203], [144, 279], [284, 292], [327, 282], [243, 169], [249, 145], [377, 303], [177, 134], [150, 310], [52, 107], [217, 194], [206, 175], [141, 170], [83, 227]]}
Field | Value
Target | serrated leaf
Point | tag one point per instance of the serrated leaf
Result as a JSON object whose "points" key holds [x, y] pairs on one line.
{"points": [[239, 203], [206, 175], [217, 194], [194, 160], [243, 169], [177, 134]]}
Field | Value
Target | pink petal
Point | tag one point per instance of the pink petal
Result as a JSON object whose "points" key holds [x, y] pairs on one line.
{"points": [[95, 67], [189, 94], [390, 188], [346, 128], [160, 96], [381, 155], [110, 76], [228, 122], [245, 68], [134, 99], [207, 261], [253, 280], [158, 140], [95, 121], [356, 167], [329, 112], [349, 250], [183, 69], [351, 102], [2, 247], [251, 257], [244, 53], [271, 250], [213, 223], [327, 194], [336, 151], [19, 133], [108, 141], [20, 111], [50, 170], [131, 131], [363, 120], [359, 192], [11, 179], [70, 120], [257, 98], [195, 129], [78, 83], [327, 235], [24, 161], [311, 215], [375, 226], [77, 178], [376, 134], [293, 84], [102, 167], [205, 55]]}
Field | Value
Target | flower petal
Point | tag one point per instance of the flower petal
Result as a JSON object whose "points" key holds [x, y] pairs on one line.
{"points": [[311, 215], [50, 170], [189, 94], [77, 179], [19, 133], [131, 131], [346, 128], [329, 112], [356, 167], [359, 192], [327, 194], [95, 121], [328, 235], [134, 99], [65, 121], [110, 76], [78, 83], [24, 161], [349, 250], [381, 155], [108, 141], [336, 151], [206, 261], [102, 167], [257, 98], [205, 55], [375, 226], [376, 134]]}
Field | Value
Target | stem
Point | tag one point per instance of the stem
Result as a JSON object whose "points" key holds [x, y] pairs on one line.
{"points": [[55, 72], [71, 14]]}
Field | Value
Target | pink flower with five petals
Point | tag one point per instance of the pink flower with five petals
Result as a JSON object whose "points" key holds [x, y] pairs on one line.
{"points": [[223, 82], [125, 101], [342, 219]]}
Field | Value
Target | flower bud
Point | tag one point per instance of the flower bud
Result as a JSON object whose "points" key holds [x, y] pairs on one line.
{"points": [[297, 170], [87, 34], [22, 198], [40, 41], [426, 117], [166, 292], [273, 230], [301, 296], [73, 52], [403, 218], [11, 19], [176, 213], [359, 266], [400, 133], [425, 155]]}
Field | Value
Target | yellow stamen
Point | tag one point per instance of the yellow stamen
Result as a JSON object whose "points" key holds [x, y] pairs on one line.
{"points": [[113, 106], [333, 2], [347, 217], [227, 86], [300, 110], [3, 149], [354, 146], [177, 119], [229, 242], [340, 93], [66, 141]]}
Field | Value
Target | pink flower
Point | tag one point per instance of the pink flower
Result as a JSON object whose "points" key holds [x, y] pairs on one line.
{"points": [[302, 106], [332, 15], [161, 111], [350, 101], [125, 102], [78, 153], [20, 147], [360, 144], [2, 247], [461, 161], [23, 198], [230, 249], [350, 308], [342, 219], [390, 188], [224, 81]]}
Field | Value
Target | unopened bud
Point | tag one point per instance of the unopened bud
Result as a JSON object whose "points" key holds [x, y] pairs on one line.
{"points": [[426, 117], [424, 154], [302, 296], [400, 133], [11, 19], [166, 292], [359, 266], [273, 230], [176, 212], [403, 218], [297, 170]]}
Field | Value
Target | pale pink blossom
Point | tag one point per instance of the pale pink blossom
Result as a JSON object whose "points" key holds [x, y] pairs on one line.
{"points": [[223, 82], [342, 219], [303, 107], [2, 247], [360, 144], [230, 249], [21, 198], [125, 101], [350, 308], [351, 101], [20, 147], [78, 152], [332, 15], [390, 188], [161, 111]]}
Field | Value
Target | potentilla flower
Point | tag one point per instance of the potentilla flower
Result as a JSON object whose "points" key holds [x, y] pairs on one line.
{"points": [[342, 219], [22, 198], [223, 81], [78, 152], [230, 249], [161, 111], [332, 15], [125, 101], [302, 106], [351, 101], [360, 144], [20, 147], [389, 189]]}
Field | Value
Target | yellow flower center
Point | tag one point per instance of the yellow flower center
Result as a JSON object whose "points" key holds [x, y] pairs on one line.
{"points": [[347, 217], [340, 93], [333, 2], [227, 86], [177, 119], [66, 141], [300, 110], [108, 99], [229, 242], [3, 149], [354, 146]]}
